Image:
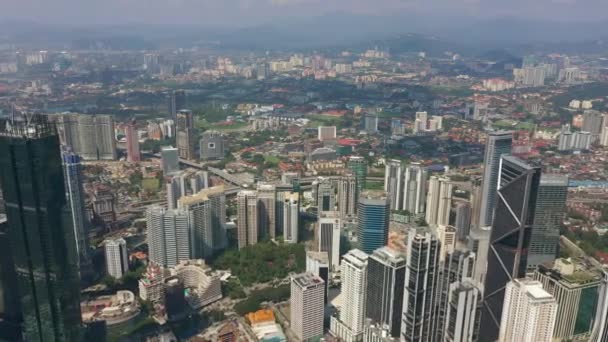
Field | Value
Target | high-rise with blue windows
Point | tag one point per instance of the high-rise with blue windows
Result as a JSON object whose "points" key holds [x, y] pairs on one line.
{"points": [[373, 212]]}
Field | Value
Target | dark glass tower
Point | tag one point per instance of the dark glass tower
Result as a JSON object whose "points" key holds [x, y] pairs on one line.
{"points": [[385, 282], [510, 238], [373, 212], [42, 240]]}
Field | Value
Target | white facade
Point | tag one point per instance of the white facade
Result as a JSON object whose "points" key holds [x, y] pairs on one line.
{"points": [[307, 306], [392, 182], [414, 188], [117, 259], [528, 314], [169, 159], [327, 133], [168, 235], [328, 231], [291, 212], [439, 201], [354, 288]]}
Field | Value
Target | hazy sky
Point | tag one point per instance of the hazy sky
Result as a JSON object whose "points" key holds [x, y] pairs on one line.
{"points": [[247, 12]]}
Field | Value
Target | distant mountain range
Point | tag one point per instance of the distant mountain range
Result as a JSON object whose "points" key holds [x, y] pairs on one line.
{"points": [[433, 35]]}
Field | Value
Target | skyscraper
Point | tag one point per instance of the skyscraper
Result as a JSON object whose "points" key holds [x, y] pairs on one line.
{"points": [[10, 303], [212, 146], [169, 234], [385, 283], [358, 166], [576, 288], [291, 212], [392, 183], [414, 188], [43, 245], [347, 195], [186, 134], [170, 160], [548, 215], [307, 306], [267, 211], [528, 313], [599, 333], [462, 221], [207, 210], [326, 195], [133, 153], [439, 201], [73, 177], [89, 136], [497, 144], [462, 314], [421, 277], [518, 185], [457, 267], [329, 226], [373, 219], [247, 218], [177, 102], [317, 263], [350, 323], [117, 259]]}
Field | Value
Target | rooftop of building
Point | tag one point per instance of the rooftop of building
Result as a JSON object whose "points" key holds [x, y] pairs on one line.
{"points": [[321, 257], [202, 195], [571, 272], [551, 179], [306, 280], [388, 254]]}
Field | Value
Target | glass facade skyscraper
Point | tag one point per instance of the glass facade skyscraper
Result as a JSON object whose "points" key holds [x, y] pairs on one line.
{"points": [[497, 144], [40, 231], [373, 213], [510, 238]]}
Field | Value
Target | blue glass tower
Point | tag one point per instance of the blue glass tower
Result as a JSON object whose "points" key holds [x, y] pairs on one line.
{"points": [[373, 212]]}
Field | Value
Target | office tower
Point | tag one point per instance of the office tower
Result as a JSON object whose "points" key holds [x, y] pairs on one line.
{"points": [[177, 102], [207, 210], [307, 306], [133, 153], [392, 183], [291, 213], [266, 211], [10, 304], [414, 188], [317, 263], [458, 266], [174, 190], [436, 123], [479, 243], [169, 234], [575, 286], [462, 316], [371, 123], [447, 237], [599, 333], [439, 201], [462, 221], [212, 145], [104, 205], [349, 325], [326, 195], [548, 215], [117, 259], [592, 122], [169, 159], [528, 312], [186, 134], [475, 200], [376, 332], [421, 277], [497, 144], [39, 227], [89, 136], [326, 133], [373, 219], [199, 181], [509, 240], [347, 195], [329, 226], [358, 166], [73, 178], [247, 218], [385, 283]]}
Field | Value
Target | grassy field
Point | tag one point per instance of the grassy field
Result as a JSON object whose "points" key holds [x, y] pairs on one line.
{"points": [[271, 159], [323, 120]]}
